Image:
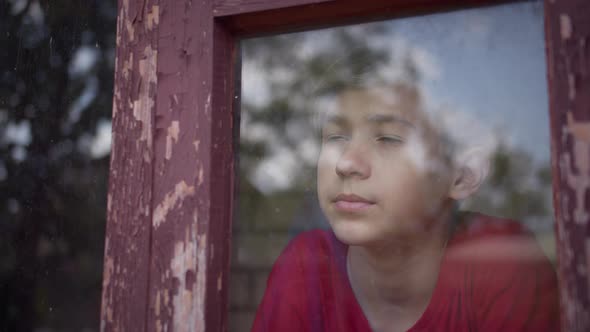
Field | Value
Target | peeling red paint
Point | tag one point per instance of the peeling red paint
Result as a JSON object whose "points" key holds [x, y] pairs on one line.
{"points": [[182, 187], [171, 200], [567, 28], [580, 130], [126, 261], [172, 137], [153, 17], [143, 105]]}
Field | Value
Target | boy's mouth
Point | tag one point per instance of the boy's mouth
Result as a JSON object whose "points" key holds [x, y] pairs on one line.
{"points": [[351, 203]]}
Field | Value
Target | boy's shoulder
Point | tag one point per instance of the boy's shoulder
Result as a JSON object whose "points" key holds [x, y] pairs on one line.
{"points": [[499, 263], [487, 238], [469, 225]]}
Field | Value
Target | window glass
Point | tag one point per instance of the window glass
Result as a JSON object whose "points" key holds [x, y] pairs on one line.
{"points": [[397, 139], [56, 82]]}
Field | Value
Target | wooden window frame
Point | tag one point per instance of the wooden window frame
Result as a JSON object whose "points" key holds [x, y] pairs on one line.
{"points": [[175, 126]]}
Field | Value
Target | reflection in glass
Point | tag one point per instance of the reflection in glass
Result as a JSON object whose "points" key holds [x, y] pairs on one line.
{"points": [[395, 112], [56, 83]]}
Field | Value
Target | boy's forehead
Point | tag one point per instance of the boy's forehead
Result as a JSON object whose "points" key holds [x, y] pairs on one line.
{"points": [[380, 106], [376, 118]]}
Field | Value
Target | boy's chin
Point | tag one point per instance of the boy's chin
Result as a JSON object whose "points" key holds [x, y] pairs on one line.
{"points": [[354, 234], [367, 234]]}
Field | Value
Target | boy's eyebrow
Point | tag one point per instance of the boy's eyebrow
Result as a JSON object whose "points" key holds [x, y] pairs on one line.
{"points": [[336, 119], [389, 118]]}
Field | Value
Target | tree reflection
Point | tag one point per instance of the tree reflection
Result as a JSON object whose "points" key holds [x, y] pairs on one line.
{"points": [[288, 77]]}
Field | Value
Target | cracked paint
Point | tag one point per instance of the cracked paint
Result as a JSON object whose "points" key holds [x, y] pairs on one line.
{"points": [[153, 17], [171, 200], [208, 104], [117, 95], [128, 23], [566, 28], [580, 130], [127, 66], [201, 176], [119, 25], [109, 202], [142, 107], [109, 267], [189, 256], [171, 138], [126, 271], [201, 283], [578, 181], [108, 270], [157, 306], [158, 325], [162, 278]]}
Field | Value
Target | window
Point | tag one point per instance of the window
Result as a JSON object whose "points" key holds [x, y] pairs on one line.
{"points": [[172, 171], [490, 117]]}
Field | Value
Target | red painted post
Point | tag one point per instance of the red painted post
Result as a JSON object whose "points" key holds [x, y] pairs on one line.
{"points": [[171, 184], [193, 174], [568, 50], [125, 276]]}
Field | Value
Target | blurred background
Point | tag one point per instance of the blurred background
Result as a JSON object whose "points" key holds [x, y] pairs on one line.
{"points": [[56, 83], [481, 74]]}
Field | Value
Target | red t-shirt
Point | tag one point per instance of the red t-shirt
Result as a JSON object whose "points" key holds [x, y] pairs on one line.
{"points": [[493, 277]]}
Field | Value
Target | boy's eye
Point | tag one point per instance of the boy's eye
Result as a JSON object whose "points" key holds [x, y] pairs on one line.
{"points": [[390, 139], [334, 138]]}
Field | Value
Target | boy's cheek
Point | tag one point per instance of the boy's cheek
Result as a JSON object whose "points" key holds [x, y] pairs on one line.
{"points": [[329, 154], [415, 151], [326, 167]]}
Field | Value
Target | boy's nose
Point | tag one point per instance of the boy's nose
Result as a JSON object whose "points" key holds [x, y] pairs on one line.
{"points": [[353, 162]]}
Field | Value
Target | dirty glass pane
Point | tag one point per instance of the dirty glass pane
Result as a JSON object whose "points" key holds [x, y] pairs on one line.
{"points": [[384, 135], [56, 79]]}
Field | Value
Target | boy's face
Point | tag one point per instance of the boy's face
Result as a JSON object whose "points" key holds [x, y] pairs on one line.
{"points": [[379, 177]]}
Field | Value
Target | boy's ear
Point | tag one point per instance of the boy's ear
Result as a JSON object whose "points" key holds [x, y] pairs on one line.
{"points": [[470, 172]]}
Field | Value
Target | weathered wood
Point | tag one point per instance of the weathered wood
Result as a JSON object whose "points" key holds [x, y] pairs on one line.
{"points": [[193, 177], [568, 50], [237, 7], [125, 276], [226, 124], [255, 18]]}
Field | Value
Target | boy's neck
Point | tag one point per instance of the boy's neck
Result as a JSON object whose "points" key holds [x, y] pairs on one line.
{"points": [[395, 283]]}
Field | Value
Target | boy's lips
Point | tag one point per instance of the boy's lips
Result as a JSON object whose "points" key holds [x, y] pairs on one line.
{"points": [[352, 203]]}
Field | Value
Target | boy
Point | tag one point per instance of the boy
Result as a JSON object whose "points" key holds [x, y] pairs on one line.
{"points": [[399, 257]]}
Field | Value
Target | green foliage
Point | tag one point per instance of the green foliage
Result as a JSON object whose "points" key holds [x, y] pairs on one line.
{"points": [[517, 187]]}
